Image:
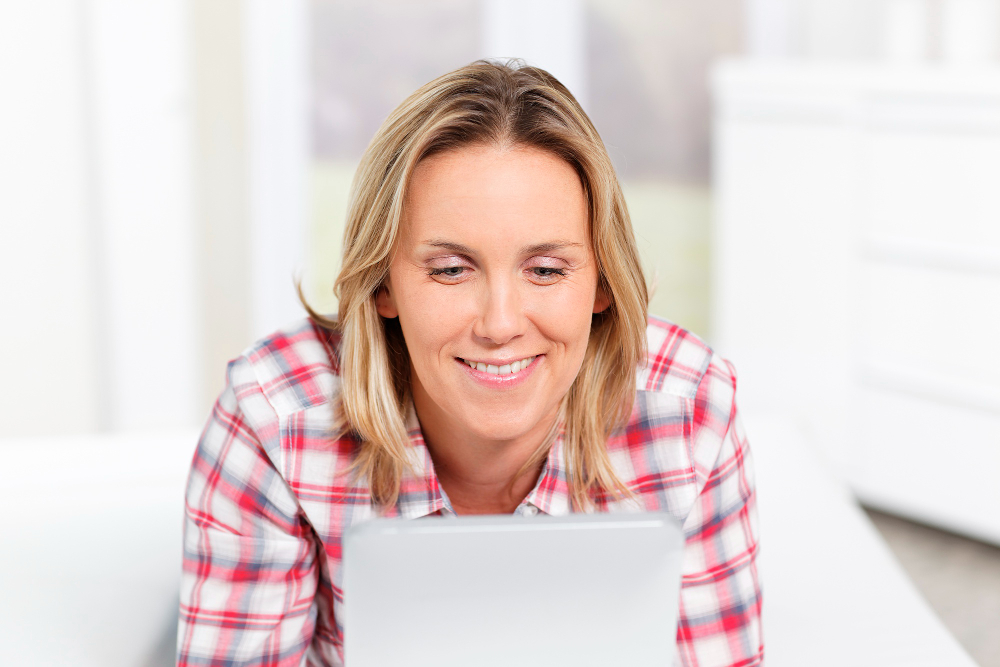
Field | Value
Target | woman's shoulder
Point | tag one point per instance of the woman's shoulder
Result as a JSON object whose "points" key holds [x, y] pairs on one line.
{"points": [[296, 367], [678, 362]]}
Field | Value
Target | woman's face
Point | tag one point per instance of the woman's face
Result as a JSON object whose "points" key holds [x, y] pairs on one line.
{"points": [[494, 269]]}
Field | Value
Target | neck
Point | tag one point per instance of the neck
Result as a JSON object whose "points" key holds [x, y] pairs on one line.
{"points": [[480, 475], [489, 485]]}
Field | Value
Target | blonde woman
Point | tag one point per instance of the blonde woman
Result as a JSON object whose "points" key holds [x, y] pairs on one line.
{"points": [[492, 354]]}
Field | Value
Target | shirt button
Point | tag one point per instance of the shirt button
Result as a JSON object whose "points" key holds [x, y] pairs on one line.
{"points": [[530, 510]]}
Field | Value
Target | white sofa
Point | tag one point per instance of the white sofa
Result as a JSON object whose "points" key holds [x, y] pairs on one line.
{"points": [[91, 557], [91, 550]]}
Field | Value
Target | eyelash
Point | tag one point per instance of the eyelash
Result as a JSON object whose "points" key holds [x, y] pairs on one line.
{"points": [[551, 271], [441, 272]]}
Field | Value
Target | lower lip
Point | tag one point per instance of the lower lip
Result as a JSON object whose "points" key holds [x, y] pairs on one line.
{"points": [[501, 381]]}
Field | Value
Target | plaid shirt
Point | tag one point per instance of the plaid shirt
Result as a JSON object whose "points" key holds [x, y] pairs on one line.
{"points": [[266, 507]]}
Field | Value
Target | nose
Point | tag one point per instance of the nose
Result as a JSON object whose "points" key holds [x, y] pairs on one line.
{"points": [[501, 313]]}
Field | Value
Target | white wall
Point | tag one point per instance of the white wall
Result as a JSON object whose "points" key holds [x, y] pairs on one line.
{"points": [[221, 184], [276, 56], [140, 96], [50, 345], [97, 254], [550, 35], [817, 29], [958, 31], [120, 258]]}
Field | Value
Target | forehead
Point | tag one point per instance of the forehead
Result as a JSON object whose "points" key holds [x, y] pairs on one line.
{"points": [[498, 194]]}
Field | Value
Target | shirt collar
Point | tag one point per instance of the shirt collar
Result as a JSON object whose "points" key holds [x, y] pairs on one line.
{"points": [[551, 492], [421, 494]]}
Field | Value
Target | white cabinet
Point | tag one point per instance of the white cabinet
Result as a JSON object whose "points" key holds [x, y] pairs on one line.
{"points": [[857, 272]]}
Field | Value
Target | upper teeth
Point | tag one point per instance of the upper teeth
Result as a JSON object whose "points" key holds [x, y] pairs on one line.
{"points": [[506, 369]]}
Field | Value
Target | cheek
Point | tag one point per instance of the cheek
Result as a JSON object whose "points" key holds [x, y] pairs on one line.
{"points": [[567, 318], [429, 320]]}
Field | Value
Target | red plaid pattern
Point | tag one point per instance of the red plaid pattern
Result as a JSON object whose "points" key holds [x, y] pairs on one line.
{"points": [[268, 503]]}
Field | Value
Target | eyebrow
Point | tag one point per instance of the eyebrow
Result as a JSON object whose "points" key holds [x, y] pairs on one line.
{"points": [[548, 246]]}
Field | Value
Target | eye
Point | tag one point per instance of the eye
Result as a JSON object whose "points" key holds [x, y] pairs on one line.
{"points": [[546, 274], [448, 271]]}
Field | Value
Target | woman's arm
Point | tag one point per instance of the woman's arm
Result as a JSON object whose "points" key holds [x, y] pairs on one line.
{"points": [[250, 575], [720, 621]]}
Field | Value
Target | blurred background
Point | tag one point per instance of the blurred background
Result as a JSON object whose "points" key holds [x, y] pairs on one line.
{"points": [[814, 184]]}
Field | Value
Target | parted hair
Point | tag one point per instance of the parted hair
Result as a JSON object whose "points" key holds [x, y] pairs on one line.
{"points": [[504, 105]]}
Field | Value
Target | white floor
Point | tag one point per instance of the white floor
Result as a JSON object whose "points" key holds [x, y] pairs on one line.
{"points": [[959, 578]]}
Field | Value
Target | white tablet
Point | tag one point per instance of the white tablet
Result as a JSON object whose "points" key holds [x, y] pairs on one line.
{"points": [[596, 589]]}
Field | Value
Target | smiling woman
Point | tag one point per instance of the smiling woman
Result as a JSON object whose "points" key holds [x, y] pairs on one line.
{"points": [[493, 272], [491, 355]]}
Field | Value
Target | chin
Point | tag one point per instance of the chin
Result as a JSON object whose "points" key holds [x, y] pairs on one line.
{"points": [[503, 424]]}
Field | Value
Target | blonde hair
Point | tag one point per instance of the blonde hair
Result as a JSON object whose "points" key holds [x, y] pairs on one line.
{"points": [[502, 105]]}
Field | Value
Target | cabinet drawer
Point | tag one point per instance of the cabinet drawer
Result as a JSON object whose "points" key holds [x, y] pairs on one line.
{"points": [[937, 188], [940, 322]]}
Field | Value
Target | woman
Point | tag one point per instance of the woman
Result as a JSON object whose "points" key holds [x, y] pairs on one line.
{"points": [[492, 354]]}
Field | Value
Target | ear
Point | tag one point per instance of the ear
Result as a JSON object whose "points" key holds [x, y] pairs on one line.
{"points": [[601, 300], [384, 303]]}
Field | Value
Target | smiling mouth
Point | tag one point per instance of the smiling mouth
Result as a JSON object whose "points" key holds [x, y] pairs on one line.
{"points": [[492, 369]]}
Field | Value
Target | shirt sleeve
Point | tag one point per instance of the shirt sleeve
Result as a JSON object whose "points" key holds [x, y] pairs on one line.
{"points": [[250, 574], [720, 616]]}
